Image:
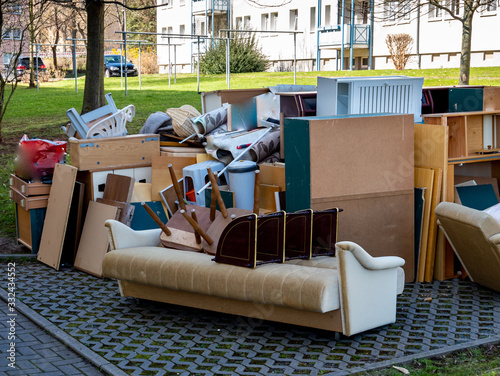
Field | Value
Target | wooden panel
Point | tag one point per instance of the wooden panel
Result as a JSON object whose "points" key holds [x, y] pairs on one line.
{"points": [[56, 219], [267, 196], [118, 188], [341, 146], [382, 224], [457, 137], [431, 244], [94, 240], [491, 98], [29, 188], [161, 175], [23, 226], [273, 174], [28, 202], [141, 192], [474, 134], [75, 224], [114, 152], [424, 178]]}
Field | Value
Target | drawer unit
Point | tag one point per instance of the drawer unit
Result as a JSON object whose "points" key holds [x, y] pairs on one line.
{"points": [[29, 188], [29, 225]]}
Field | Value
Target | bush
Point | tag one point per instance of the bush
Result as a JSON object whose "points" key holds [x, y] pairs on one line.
{"points": [[245, 56], [399, 48]]}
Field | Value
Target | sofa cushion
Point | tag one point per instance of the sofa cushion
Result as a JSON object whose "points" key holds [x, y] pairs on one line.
{"points": [[294, 286]]}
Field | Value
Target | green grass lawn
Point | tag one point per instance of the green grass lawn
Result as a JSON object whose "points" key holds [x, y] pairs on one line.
{"points": [[41, 114]]}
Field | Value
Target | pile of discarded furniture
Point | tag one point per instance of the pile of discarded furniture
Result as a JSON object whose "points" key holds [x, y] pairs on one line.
{"points": [[236, 208]]}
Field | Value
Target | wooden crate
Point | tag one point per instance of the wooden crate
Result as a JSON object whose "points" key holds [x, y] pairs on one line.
{"points": [[114, 152]]}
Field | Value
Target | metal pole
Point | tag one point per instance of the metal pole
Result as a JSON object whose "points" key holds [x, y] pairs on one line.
{"points": [[370, 44], [343, 24], [74, 66], [318, 51], [169, 69], [125, 48], [198, 65], [175, 63], [121, 66], [227, 60], [36, 64], [351, 47], [295, 58], [140, 66]]}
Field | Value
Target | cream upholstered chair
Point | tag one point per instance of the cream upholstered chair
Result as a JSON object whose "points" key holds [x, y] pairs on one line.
{"points": [[475, 238]]}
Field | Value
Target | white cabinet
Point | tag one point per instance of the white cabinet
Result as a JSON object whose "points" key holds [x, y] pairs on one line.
{"points": [[370, 95]]}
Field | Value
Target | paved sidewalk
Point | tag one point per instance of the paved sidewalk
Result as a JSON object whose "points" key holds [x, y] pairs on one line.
{"points": [[37, 352], [126, 336]]}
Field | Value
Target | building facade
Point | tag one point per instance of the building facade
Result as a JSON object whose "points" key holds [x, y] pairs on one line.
{"points": [[326, 31]]}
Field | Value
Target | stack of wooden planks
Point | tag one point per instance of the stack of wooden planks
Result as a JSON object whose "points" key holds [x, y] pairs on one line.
{"points": [[431, 181]]}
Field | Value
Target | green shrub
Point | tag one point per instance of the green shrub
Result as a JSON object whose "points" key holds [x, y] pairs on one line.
{"points": [[245, 56]]}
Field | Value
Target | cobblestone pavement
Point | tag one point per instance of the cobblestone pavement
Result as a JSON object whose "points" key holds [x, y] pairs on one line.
{"points": [[148, 338], [37, 352]]}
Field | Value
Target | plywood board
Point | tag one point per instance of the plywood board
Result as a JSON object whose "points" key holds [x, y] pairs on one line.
{"points": [[382, 224], [75, 224], [273, 174], [457, 144], [474, 134], [424, 178], [431, 243], [204, 157], [94, 240], [56, 219], [349, 142], [141, 192], [267, 196], [491, 98], [118, 188], [161, 175]]}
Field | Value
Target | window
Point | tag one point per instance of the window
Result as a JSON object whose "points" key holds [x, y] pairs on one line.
{"points": [[246, 22], [435, 57], [170, 30], [14, 8], [365, 10], [294, 19], [328, 15], [312, 19], [490, 7], [239, 23], [488, 56], [163, 30], [7, 56], [264, 22], [166, 2], [434, 12], [182, 29], [390, 11], [12, 34], [406, 8], [274, 21], [182, 2], [203, 30], [454, 6]]}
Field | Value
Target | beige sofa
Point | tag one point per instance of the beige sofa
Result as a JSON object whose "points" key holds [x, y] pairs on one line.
{"points": [[475, 238], [356, 295]]}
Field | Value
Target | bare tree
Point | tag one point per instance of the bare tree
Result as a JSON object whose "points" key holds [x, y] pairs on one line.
{"points": [[12, 16], [400, 48], [462, 11]]}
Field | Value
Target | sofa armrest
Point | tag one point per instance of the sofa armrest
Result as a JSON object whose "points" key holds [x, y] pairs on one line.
{"points": [[495, 240], [367, 293], [369, 262], [122, 236]]}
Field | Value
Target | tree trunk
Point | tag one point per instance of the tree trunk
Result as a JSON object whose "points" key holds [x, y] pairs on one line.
{"points": [[93, 96], [466, 47]]}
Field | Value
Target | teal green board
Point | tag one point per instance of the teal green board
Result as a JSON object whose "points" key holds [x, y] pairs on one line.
{"points": [[297, 162]]}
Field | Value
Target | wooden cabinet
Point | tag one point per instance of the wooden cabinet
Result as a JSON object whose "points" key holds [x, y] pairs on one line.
{"points": [[362, 164], [460, 144]]}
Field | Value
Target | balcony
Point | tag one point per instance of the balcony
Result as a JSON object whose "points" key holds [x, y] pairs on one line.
{"points": [[332, 38], [217, 6]]}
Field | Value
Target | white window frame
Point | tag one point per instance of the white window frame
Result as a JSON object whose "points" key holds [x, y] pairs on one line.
{"points": [[312, 19], [489, 9], [390, 11], [247, 22], [274, 21], [435, 13], [264, 22], [294, 19], [239, 23]]}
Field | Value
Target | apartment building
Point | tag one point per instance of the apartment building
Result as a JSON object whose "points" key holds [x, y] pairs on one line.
{"points": [[326, 31]]}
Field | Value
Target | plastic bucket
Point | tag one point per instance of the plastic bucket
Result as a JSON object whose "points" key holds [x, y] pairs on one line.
{"points": [[242, 182]]}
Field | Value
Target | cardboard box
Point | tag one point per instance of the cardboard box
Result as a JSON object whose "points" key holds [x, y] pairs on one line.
{"points": [[114, 152]]}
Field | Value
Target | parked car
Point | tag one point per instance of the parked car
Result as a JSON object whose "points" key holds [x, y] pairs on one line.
{"points": [[23, 65], [112, 65]]}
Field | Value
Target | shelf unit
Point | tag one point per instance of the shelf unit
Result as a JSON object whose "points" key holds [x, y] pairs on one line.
{"points": [[458, 144]]}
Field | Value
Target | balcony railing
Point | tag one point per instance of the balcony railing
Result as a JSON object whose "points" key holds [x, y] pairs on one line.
{"points": [[334, 38], [209, 5]]}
